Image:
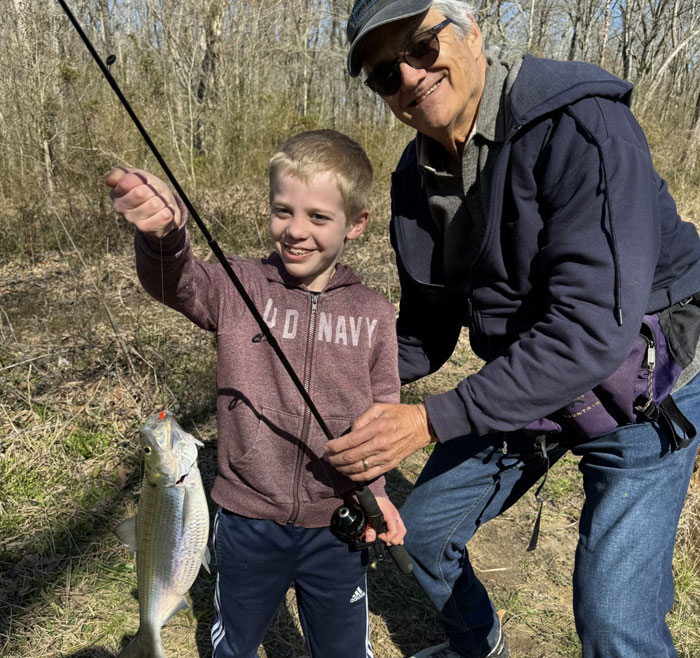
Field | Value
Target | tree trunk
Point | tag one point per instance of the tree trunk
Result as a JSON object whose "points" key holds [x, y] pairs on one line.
{"points": [[606, 33], [207, 89]]}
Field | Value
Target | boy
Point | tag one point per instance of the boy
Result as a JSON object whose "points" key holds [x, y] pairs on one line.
{"points": [[275, 493]]}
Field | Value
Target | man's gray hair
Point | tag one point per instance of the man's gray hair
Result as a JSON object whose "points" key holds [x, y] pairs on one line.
{"points": [[458, 11]]}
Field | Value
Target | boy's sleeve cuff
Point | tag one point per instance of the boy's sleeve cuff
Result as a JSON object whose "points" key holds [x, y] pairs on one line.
{"points": [[377, 486], [172, 244]]}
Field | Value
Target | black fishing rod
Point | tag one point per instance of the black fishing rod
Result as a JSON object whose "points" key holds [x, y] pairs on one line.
{"points": [[364, 495]]}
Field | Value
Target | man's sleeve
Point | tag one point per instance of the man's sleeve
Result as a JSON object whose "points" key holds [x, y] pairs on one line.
{"points": [[599, 205]]}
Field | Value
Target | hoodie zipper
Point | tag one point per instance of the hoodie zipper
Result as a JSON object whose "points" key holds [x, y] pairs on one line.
{"points": [[306, 422]]}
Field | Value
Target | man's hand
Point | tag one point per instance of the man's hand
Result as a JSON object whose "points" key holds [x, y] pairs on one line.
{"points": [[395, 529], [380, 438], [143, 200]]}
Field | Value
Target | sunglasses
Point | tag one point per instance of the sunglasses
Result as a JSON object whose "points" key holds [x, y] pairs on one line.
{"points": [[420, 53]]}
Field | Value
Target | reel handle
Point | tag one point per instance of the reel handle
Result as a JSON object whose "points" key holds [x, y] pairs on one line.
{"points": [[371, 508]]}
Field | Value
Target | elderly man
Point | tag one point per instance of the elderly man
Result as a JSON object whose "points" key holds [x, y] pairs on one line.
{"points": [[527, 209]]}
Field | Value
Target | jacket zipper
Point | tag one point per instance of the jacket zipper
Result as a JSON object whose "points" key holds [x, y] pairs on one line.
{"points": [[475, 317], [472, 317], [307, 413], [492, 197]]}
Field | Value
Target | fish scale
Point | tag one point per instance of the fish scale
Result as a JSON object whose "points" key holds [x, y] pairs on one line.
{"points": [[169, 532]]}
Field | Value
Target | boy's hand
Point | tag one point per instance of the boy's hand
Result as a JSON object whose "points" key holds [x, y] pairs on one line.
{"points": [[395, 529], [143, 200]]}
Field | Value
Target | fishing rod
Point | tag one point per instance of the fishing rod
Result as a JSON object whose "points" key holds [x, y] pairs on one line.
{"points": [[364, 495]]}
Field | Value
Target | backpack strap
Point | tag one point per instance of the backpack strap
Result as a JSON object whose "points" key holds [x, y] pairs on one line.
{"points": [[541, 447], [667, 414]]}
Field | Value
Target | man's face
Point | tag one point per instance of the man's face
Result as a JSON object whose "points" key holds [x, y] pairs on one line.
{"points": [[442, 100]]}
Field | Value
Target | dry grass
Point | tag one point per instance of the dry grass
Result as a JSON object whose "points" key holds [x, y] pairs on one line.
{"points": [[85, 355]]}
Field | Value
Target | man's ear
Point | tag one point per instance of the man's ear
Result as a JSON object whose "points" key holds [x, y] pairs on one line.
{"points": [[357, 225], [475, 38]]}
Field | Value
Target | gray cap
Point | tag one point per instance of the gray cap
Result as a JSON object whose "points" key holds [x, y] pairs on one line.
{"points": [[367, 15]]}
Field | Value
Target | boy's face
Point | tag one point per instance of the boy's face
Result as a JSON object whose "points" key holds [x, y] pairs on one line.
{"points": [[309, 227]]}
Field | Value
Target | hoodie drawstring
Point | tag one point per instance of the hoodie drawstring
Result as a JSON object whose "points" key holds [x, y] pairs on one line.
{"points": [[606, 192]]}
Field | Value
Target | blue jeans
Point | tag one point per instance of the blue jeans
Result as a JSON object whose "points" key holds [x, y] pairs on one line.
{"points": [[622, 583]]}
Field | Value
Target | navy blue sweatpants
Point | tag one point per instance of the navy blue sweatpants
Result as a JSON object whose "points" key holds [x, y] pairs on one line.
{"points": [[257, 561]]}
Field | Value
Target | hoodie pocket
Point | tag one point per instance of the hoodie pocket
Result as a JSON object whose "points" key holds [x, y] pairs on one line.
{"points": [[319, 478], [267, 466]]}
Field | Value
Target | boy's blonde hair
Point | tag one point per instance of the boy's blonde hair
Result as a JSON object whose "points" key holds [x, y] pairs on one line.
{"points": [[316, 152]]}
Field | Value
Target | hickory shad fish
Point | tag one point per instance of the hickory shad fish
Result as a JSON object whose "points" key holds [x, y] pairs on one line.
{"points": [[169, 532]]}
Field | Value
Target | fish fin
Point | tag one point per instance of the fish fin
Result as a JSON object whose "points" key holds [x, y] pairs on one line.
{"points": [[206, 559], [126, 533], [181, 605]]}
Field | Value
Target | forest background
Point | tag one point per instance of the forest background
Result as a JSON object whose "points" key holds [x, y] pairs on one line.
{"points": [[85, 355]]}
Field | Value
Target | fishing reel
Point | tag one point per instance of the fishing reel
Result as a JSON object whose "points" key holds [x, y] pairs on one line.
{"points": [[349, 523]]}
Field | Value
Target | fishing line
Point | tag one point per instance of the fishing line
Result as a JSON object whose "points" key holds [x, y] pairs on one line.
{"points": [[363, 493]]}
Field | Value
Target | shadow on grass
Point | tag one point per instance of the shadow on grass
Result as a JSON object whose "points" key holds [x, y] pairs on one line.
{"points": [[90, 652], [397, 597], [27, 583]]}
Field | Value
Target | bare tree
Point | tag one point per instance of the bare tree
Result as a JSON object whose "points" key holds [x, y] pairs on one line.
{"points": [[219, 83], [209, 80]]}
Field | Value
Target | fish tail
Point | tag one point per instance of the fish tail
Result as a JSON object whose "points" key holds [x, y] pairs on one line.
{"points": [[142, 646]]}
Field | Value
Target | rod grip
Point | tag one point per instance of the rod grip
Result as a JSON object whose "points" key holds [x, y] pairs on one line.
{"points": [[371, 508]]}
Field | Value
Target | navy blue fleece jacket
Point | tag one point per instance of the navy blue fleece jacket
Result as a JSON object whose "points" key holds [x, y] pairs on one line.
{"points": [[582, 239]]}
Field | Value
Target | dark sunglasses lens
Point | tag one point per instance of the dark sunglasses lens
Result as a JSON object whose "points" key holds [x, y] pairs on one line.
{"points": [[385, 80], [424, 52]]}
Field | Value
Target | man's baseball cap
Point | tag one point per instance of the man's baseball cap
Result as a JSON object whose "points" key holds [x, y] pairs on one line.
{"points": [[367, 15]]}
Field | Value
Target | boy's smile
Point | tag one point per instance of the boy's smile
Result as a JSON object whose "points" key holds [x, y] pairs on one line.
{"points": [[308, 226]]}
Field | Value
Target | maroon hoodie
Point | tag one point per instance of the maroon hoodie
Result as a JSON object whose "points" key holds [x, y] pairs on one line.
{"points": [[341, 343]]}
